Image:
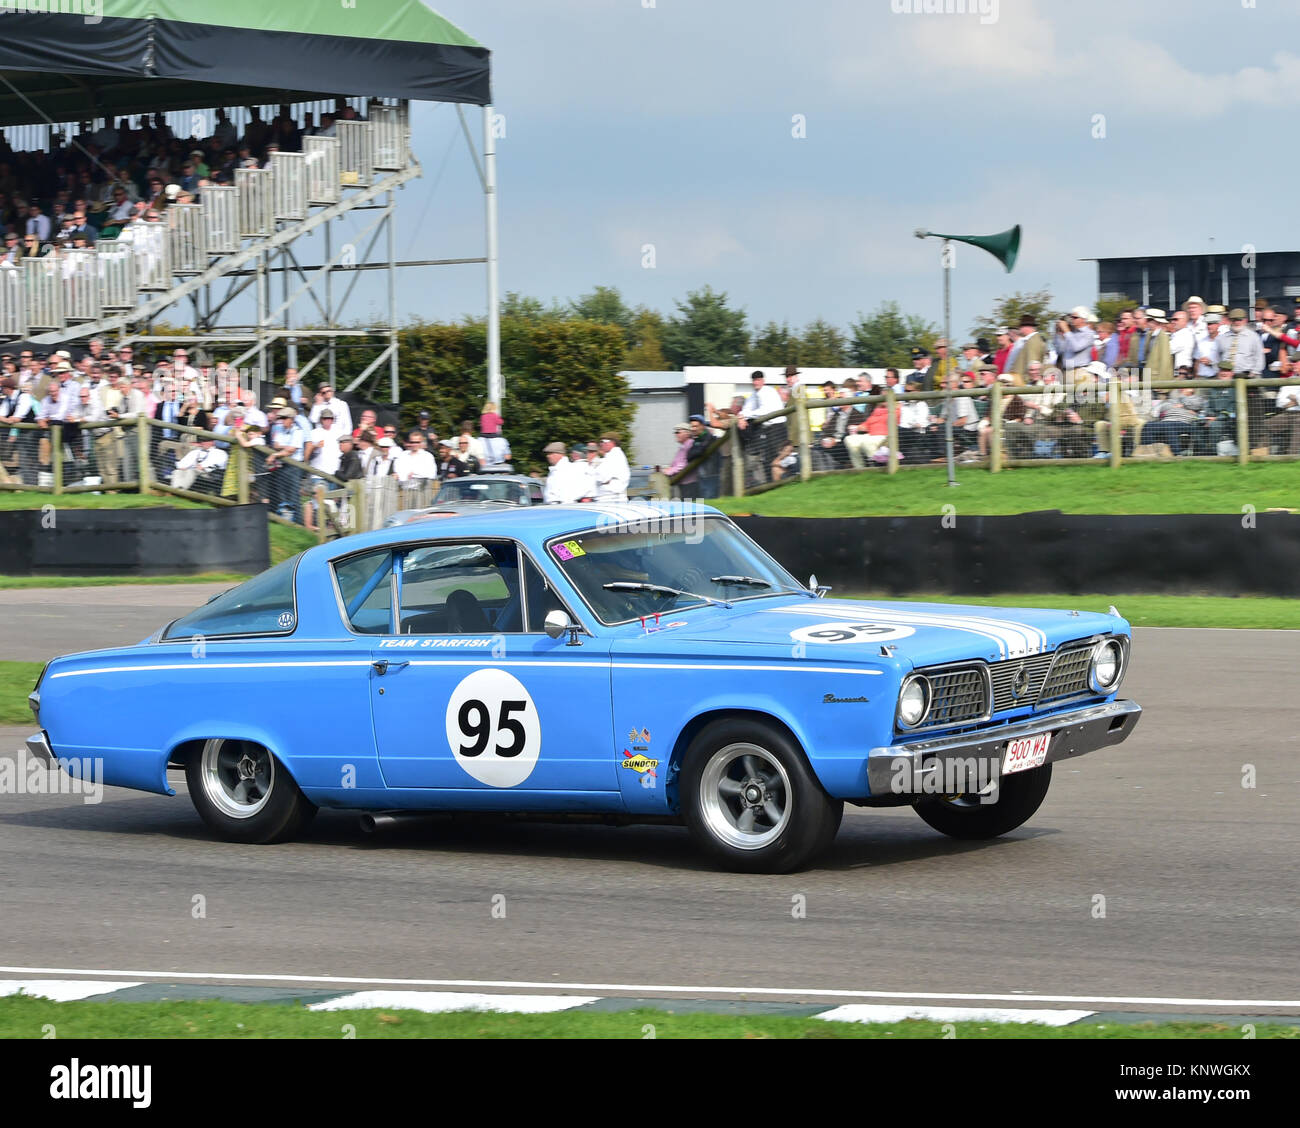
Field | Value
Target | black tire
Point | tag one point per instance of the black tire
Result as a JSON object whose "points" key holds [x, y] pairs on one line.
{"points": [[225, 775], [1019, 796], [743, 835]]}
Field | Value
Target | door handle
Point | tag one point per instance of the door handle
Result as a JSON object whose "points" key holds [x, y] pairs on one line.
{"points": [[383, 666]]}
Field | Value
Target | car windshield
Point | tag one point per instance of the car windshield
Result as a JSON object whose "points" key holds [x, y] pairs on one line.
{"points": [[705, 558], [476, 489]]}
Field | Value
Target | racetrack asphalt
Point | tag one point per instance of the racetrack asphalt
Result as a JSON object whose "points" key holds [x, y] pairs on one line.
{"points": [[1196, 871]]}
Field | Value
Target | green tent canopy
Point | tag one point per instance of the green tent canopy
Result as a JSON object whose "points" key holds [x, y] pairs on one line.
{"points": [[72, 60]]}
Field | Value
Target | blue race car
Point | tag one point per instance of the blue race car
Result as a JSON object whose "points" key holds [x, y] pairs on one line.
{"points": [[635, 661]]}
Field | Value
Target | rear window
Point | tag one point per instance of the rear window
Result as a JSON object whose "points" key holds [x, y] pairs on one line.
{"points": [[262, 606]]}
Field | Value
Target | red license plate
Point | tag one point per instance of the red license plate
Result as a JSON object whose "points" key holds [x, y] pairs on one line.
{"points": [[1025, 753]]}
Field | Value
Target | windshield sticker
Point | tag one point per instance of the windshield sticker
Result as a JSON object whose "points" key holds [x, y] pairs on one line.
{"points": [[834, 633], [285, 620], [568, 550]]}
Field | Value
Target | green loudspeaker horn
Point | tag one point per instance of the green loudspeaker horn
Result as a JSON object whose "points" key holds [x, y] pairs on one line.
{"points": [[1004, 246]]}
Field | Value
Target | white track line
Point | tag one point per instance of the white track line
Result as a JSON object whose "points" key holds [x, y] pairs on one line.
{"points": [[61, 990], [653, 989], [440, 1002], [865, 1012]]}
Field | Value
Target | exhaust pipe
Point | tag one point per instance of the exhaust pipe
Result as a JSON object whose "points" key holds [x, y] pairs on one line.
{"points": [[374, 822]]}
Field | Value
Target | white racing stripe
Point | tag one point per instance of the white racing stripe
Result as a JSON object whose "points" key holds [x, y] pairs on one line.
{"points": [[840, 614], [1018, 638], [657, 989], [866, 1012], [440, 1002], [544, 664]]}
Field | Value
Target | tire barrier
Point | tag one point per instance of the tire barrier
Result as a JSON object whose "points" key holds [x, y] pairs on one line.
{"points": [[1036, 553], [133, 542]]}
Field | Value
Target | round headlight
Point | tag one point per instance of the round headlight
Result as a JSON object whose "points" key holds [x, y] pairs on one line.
{"points": [[1107, 663], [913, 700]]}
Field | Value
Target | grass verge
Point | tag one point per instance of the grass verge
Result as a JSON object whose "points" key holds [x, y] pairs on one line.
{"points": [[32, 499], [1181, 487], [16, 681], [23, 1017]]}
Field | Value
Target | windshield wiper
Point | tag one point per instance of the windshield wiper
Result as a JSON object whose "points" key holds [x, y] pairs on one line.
{"points": [[660, 589], [748, 581]]}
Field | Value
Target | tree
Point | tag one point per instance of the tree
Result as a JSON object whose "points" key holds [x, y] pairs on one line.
{"points": [[706, 331], [1010, 309], [773, 346], [606, 306], [822, 346], [561, 375], [646, 353], [1109, 309], [516, 306], [885, 338]]}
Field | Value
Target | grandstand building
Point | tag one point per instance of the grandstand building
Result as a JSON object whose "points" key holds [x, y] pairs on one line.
{"points": [[1227, 279], [79, 92]]}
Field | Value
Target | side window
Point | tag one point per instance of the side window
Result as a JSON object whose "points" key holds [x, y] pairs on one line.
{"points": [[460, 589], [365, 583], [262, 605], [542, 600]]}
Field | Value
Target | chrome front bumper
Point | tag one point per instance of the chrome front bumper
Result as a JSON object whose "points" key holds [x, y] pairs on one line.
{"points": [[1074, 732]]}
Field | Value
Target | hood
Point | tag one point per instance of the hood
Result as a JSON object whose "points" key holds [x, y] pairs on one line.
{"points": [[920, 634]]}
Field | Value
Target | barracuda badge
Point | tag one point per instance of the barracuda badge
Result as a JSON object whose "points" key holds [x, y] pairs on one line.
{"points": [[1020, 683]]}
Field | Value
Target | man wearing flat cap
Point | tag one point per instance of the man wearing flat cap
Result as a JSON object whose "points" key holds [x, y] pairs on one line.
{"points": [[1029, 348], [1242, 346], [612, 471], [565, 481]]}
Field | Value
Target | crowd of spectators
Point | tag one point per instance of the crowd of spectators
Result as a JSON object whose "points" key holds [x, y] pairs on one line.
{"points": [[99, 183], [298, 438], [591, 471], [1056, 391]]}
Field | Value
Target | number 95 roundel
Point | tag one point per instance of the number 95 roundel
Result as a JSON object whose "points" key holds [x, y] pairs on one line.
{"points": [[493, 729]]}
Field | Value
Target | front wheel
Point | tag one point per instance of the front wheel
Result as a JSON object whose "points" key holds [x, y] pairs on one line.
{"points": [[243, 794], [965, 816], [751, 800]]}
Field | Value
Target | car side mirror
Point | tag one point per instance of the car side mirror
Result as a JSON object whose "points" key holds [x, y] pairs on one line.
{"points": [[557, 622]]}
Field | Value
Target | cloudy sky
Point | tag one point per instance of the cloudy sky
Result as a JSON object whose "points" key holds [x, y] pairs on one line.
{"points": [[1111, 127]]}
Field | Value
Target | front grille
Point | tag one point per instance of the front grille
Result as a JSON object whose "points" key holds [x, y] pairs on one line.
{"points": [[958, 696], [1004, 676], [1069, 676]]}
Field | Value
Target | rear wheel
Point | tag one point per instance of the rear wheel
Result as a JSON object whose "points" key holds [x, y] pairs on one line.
{"points": [[751, 800], [243, 794], [965, 816]]}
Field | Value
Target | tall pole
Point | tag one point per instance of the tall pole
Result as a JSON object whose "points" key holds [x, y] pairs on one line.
{"points": [[947, 336], [392, 300], [496, 391]]}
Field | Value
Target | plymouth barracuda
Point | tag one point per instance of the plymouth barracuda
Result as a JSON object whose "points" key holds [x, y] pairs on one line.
{"points": [[645, 661]]}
